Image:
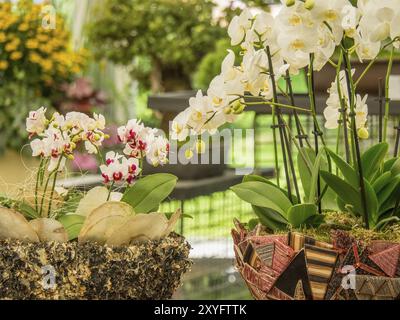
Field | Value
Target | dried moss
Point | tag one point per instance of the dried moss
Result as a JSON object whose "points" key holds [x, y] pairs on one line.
{"points": [[150, 270]]}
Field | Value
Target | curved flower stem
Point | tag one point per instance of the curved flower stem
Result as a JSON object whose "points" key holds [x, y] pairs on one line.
{"points": [[357, 159], [38, 175], [46, 186], [53, 186], [387, 98], [110, 190], [276, 104]]}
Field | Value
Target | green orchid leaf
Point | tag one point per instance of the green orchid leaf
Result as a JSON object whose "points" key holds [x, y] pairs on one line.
{"points": [[300, 213], [148, 192], [346, 192], [253, 223], [372, 203], [270, 218], [395, 169], [253, 177], [314, 178], [305, 162], [384, 194], [26, 210], [382, 182], [372, 159], [73, 224], [349, 174], [388, 165], [263, 195]]}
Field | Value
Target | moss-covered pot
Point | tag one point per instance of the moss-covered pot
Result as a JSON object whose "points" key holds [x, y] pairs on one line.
{"points": [[151, 270]]}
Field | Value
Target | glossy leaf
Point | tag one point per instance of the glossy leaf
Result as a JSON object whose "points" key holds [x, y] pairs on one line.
{"points": [[300, 213], [314, 179], [263, 195], [395, 169], [270, 218], [372, 159], [347, 193], [372, 203], [253, 177], [388, 189], [72, 224], [148, 192], [382, 182], [349, 174], [305, 168]]}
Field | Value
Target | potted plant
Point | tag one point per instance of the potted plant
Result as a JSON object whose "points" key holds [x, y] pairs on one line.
{"points": [[62, 244], [330, 230]]}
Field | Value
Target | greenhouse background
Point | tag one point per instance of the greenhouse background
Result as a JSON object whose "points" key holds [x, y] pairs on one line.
{"points": [[144, 59]]}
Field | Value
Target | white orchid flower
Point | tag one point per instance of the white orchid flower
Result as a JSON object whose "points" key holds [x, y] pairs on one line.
{"points": [[238, 27], [36, 121], [179, 129], [365, 48]]}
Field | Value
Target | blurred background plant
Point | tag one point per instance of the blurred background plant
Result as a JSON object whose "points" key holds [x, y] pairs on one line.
{"points": [[34, 63], [162, 41]]}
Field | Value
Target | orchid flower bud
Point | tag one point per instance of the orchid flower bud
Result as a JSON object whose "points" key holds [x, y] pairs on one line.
{"points": [[363, 133], [290, 3], [189, 154], [309, 4]]}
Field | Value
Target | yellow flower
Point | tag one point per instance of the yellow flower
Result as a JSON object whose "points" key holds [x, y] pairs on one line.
{"points": [[47, 65], [42, 37], [34, 57], [23, 27], [46, 48], [2, 37], [32, 44], [16, 55], [11, 47], [3, 65]]}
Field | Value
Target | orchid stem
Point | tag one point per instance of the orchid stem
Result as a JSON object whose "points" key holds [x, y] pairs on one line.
{"points": [[387, 98], [110, 190], [357, 159], [280, 126]]}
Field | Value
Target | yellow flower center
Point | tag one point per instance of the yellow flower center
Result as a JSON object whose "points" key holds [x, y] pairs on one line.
{"points": [[294, 20], [331, 15], [297, 44]]}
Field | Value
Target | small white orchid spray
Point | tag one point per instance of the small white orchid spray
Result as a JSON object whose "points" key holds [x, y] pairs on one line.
{"points": [[140, 143], [103, 215], [55, 140]]}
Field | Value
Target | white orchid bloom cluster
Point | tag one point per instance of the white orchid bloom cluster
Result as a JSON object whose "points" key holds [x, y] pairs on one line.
{"points": [[379, 20], [298, 30], [301, 28], [140, 142], [58, 136], [119, 169], [144, 142], [332, 112]]}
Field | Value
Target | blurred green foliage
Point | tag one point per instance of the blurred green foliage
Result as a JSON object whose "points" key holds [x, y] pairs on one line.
{"points": [[16, 100], [173, 35]]}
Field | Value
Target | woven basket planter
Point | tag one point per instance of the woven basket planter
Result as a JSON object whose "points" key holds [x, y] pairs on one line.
{"points": [[294, 266], [151, 270]]}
